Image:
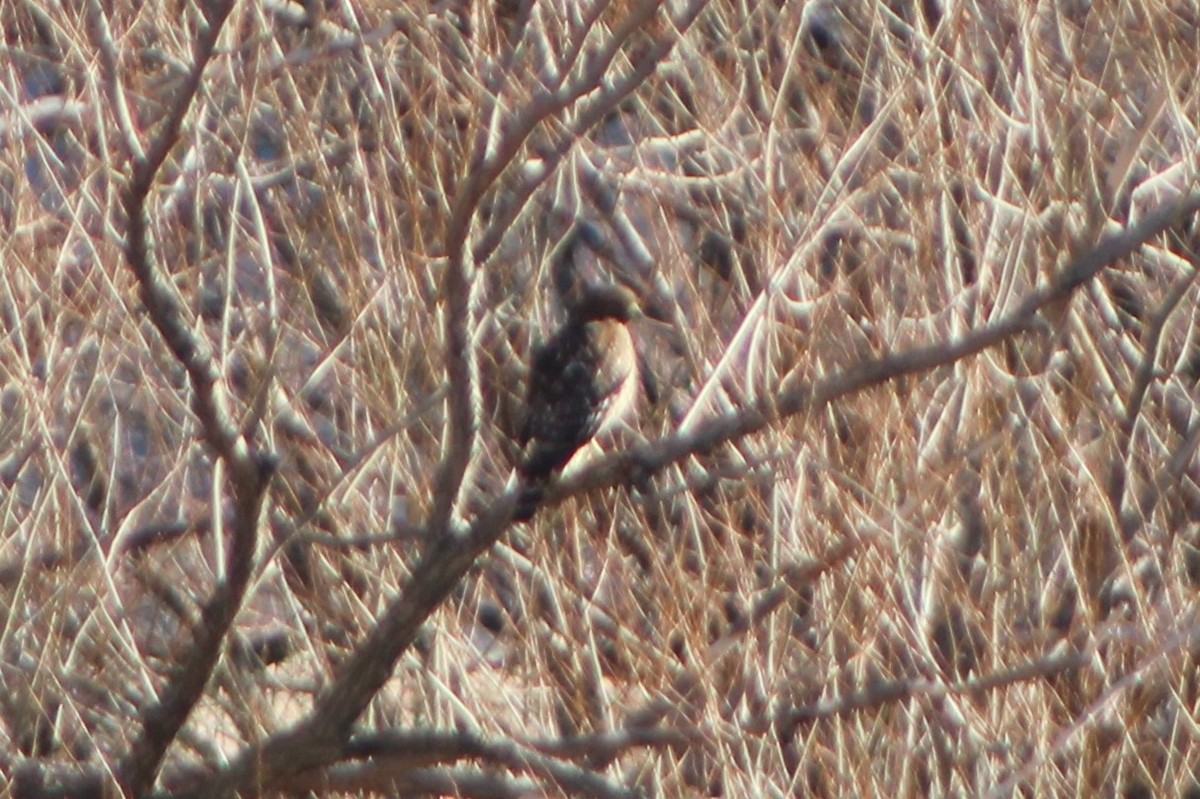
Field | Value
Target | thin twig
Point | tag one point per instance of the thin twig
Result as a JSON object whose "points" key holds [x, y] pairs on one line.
{"points": [[788, 719], [314, 742], [486, 165], [249, 475], [1137, 392]]}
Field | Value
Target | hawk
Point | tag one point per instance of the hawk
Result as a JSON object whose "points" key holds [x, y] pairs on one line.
{"points": [[582, 382]]}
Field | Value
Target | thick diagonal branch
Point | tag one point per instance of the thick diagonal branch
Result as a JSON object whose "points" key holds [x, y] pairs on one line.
{"points": [[318, 740]]}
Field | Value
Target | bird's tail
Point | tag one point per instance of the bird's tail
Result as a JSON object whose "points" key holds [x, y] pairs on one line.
{"points": [[545, 459], [528, 501]]}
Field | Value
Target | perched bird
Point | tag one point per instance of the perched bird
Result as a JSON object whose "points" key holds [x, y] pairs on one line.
{"points": [[582, 382]]}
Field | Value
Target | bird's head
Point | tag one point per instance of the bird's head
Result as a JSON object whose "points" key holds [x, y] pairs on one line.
{"points": [[605, 302]]}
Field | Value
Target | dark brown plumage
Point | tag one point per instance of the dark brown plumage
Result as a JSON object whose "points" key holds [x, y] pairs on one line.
{"points": [[581, 382]]}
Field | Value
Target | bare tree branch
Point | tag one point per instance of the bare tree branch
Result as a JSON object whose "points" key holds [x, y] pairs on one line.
{"points": [[315, 741], [1137, 393], [806, 398], [901, 425], [485, 166], [788, 719], [249, 475], [592, 112], [384, 777]]}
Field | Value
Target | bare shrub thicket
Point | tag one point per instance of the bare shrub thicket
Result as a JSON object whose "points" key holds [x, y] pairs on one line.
{"points": [[912, 504]]}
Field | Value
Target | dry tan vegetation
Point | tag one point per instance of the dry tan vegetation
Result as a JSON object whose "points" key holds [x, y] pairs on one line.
{"points": [[913, 505]]}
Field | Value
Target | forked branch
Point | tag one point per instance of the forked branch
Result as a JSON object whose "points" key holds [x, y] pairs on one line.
{"points": [[316, 741]]}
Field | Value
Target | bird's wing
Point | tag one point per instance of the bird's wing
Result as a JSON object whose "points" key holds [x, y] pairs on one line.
{"points": [[581, 380], [540, 365], [560, 388]]}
